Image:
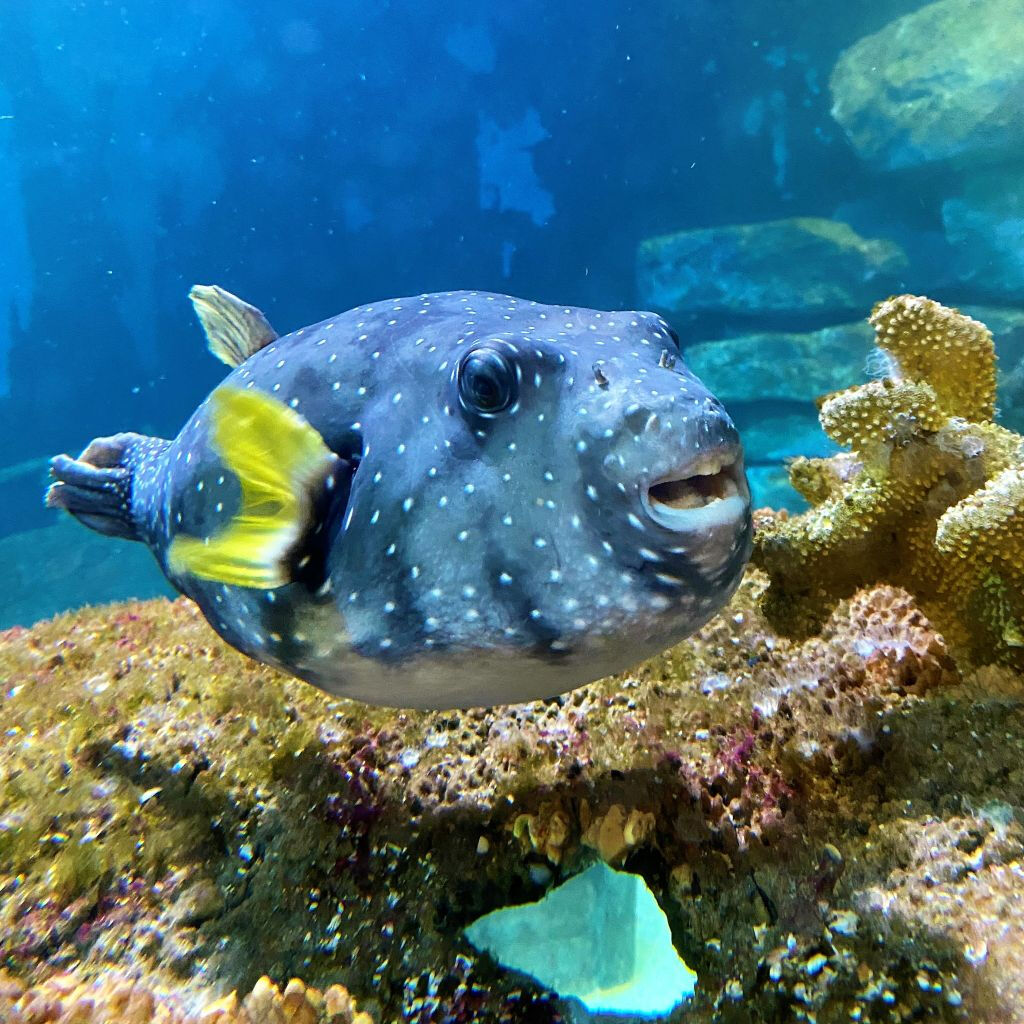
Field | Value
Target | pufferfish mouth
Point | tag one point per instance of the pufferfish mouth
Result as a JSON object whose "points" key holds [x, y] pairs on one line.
{"points": [[710, 491]]}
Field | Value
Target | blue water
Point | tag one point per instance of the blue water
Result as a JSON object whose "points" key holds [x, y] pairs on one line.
{"points": [[315, 155]]}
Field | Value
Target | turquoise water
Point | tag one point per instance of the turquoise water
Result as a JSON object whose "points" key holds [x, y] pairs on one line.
{"points": [[812, 830], [312, 157]]}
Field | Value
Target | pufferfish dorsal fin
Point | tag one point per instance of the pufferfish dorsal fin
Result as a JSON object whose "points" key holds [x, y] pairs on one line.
{"points": [[234, 329], [282, 465]]}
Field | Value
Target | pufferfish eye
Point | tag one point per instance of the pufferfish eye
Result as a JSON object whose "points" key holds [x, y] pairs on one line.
{"points": [[487, 381]]}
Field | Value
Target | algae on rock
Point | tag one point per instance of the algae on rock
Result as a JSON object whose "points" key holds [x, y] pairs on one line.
{"points": [[802, 265]]}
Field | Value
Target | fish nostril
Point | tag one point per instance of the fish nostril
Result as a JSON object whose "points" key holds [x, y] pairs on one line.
{"points": [[637, 417], [600, 376]]}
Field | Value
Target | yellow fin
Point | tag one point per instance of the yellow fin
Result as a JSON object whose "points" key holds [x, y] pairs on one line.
{"points": [[234, 329], [280, 462]]}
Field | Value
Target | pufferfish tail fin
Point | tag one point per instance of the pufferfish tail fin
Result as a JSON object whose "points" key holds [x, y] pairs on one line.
{"points": [[98, 488], [283, 468], [234, 329]]}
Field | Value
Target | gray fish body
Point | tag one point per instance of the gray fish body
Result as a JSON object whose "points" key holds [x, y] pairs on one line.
{"points": [[476, 558]]}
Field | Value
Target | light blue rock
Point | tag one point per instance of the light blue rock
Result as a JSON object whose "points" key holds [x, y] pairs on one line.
{"points": [[600, 938]]}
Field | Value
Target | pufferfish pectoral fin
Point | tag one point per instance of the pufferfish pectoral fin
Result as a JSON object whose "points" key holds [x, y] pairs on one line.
{"points": [[285, 472], [234, 329]]}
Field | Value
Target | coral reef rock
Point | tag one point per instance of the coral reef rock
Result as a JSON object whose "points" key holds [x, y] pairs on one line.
{"points": [[817, 819], [941, 83], [802, 266], [117, 999], [930, 495]]}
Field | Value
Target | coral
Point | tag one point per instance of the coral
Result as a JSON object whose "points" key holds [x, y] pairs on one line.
{"points": [[118, 999], [616, 832], [929, 498]]}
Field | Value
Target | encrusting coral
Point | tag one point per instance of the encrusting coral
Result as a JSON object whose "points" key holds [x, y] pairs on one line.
{"points": [[117, 999], [930, 497]]}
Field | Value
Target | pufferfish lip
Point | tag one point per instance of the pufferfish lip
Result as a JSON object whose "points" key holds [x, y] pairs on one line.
{"points": [[709, 491]]}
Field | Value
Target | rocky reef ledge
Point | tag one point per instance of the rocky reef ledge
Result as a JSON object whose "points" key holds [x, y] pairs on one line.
{"points": [[832, 826]]}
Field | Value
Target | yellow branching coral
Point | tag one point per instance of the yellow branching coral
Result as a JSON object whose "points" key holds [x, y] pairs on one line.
{"points": [[945, 348], [930, 497], [884, 410]]}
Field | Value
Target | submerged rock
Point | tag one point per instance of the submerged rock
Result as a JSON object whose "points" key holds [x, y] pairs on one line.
{"points": [[985, 226], [803, 265], [783, 366], [771, 382], [770, 486], [600, 938], [941, 83], [61, 566]]}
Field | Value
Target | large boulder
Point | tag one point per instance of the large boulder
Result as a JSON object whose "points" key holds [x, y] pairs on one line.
{"points": [[52, 568], [793, 367], [1007, 327], [771, 436], [985, 227], [783, 366], [942, 83], [802, 265], [770, 488]]}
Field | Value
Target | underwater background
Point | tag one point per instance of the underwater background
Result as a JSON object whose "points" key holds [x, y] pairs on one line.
{"points": [[314, 158], [812, 810]]}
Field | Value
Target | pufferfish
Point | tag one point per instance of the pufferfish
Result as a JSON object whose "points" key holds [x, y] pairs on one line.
{"points": [[450, 500]]}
